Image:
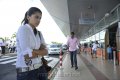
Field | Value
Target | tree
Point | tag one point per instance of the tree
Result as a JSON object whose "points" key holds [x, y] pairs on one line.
{"points": [[13, 35], [1, 38], [55, 42], [6, 39]]}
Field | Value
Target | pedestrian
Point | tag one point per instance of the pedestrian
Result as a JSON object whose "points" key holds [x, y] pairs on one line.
{"points": [[85, 48], [14, 47], [109, 52], [72, 43], [91, 51], [29, 64], [94, 49], [0, 51], [3, 47], [10, 47]]}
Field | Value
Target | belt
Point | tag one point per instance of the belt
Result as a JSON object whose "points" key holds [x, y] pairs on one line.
{"points": [[30, 68]]}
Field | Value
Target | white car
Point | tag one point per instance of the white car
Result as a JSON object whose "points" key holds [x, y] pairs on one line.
{"points": [[54, 48], [64, 48]]}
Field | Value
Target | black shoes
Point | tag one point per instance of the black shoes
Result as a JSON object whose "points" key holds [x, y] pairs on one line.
{"points": [[76, 68], [71, 66]]}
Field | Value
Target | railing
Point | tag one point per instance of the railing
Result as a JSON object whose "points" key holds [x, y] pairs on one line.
{"points": [[106, 21]]}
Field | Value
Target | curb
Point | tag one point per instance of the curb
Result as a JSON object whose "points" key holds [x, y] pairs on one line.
{"points": [[55, 69]]}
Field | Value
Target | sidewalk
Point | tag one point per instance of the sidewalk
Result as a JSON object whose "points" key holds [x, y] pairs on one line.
{"points": [[88, 69], [107, 68], [69, 73]]}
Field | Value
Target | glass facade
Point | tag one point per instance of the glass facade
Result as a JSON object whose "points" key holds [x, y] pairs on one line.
{"points": [[100, 37], [112, 17], [97, 32], [106, 21], [119, 12], [102, 34], [97, 36]]}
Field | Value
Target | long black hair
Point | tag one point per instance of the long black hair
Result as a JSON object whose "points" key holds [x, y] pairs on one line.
{"points": [[31, 11]]}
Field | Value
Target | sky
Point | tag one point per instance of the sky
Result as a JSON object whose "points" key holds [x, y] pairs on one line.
{"points": [[12, 13]]}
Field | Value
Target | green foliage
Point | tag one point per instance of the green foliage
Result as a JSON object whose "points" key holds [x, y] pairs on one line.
{"points": [[7, 38], [13, 35], [1, 38], [55, 42]]}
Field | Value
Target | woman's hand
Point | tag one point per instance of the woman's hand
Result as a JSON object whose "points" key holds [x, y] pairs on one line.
{"points": [[42, 52], [35, 53]]}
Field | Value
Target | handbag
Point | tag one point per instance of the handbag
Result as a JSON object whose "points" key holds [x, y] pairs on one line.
{"points": [[45, 64], [44, 61]]}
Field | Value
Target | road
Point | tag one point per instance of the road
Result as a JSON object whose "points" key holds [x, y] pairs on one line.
{"points": [[8, 62]]}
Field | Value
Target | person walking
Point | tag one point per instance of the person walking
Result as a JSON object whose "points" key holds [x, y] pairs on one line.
{"points": [[91, 45], [94, 49], [0, 51], [29, 52], [72, 44], [3, 47], [109, 52], [85, 48]]}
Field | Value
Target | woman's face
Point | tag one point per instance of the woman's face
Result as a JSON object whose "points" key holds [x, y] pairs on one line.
{"points": [[34, 19]]}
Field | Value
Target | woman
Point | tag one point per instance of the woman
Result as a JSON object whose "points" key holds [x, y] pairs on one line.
{"points": [[28, 64]]}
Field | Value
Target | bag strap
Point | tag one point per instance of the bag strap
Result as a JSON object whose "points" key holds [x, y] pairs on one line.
{"points": [[39, 33]]}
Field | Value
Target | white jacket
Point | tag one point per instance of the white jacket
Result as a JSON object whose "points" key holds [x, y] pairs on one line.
{"points": [[26, 42]]}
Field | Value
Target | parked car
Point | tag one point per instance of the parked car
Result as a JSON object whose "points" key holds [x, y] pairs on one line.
{"points": [[54, 48]]}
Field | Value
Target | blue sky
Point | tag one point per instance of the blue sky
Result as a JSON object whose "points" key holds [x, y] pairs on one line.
{"points": [[12, 13]]}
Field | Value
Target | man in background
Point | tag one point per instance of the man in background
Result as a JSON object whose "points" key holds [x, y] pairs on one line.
{"points": [[72, 44]]}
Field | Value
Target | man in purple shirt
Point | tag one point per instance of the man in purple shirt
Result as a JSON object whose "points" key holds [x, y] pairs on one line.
{"points": [[72, 43]]}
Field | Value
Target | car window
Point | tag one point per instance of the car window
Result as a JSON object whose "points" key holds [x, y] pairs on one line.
{"points": [[55, 46], [59, 46], [64, 45], [52, 46]]}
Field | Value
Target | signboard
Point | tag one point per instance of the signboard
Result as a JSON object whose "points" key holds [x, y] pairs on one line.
{"points": [[86, 21]]}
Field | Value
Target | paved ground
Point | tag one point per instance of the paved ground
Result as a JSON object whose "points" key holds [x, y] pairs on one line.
{"points": [[8, 62], [88, 69]]}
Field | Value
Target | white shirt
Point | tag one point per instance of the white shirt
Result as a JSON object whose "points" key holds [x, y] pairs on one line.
{"points": [[26, 42], [95, 46]]}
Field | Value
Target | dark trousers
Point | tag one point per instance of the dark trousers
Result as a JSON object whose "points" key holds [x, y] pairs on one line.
{"points": [[73, 57], [37, 74], [109, 56], [3, 49]]}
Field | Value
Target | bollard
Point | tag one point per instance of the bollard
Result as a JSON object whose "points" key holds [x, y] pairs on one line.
{"points": [[60, 58], [114, 57], [101, 54]]}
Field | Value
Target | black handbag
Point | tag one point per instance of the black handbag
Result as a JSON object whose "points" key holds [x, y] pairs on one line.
{"points": [[45, 64], [44, 61]]}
